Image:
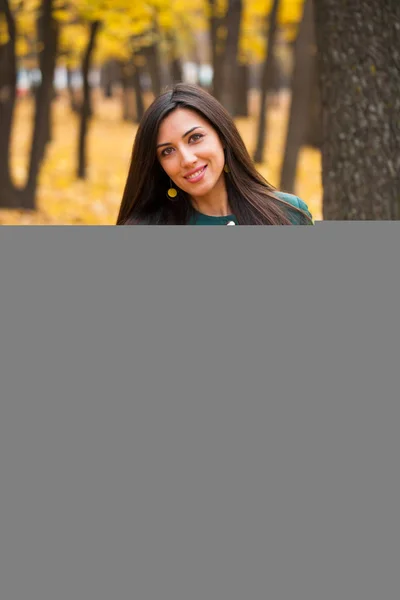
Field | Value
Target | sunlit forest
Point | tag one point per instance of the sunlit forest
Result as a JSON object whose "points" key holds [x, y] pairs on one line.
{"points": [[77, 76]]}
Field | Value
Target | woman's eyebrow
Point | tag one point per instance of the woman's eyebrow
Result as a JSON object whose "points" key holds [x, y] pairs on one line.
{"points": [[184, 135], [190, 131]]}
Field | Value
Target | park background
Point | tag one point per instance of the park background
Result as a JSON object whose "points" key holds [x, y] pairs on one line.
{"points": [[312, 84]]}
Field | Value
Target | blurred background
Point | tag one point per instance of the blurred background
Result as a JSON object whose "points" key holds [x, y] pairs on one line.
{"points": [[76, 77]]}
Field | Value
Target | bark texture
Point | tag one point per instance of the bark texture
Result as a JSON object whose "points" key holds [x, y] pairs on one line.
{"points": [[47, 35], [10, 195], [217, 56], [137, 84], [153, 62], [44, 95], [359, 65], [8, 80], [266, 82], [126, 77], [302, 81], [86, 110], [175, 63], [132, 96], [314, 131], [74, 104], [229, 79], [242, 91]]}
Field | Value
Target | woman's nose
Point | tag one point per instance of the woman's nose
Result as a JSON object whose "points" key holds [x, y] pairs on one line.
{"points": [[187, 157]]}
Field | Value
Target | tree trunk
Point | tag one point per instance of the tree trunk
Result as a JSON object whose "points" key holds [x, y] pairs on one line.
{"points": [[175, 64], [313, 135], [137, 84], [216, 50], [71, 92], [359, 65], [132, 98], [266, 82], [86, 103], [242, 92], [300, 100], [126, 70], [176, 70], [154, 67], [8, 81], [106, 79], [44, 99], [10, 195], [47, 28], [229, 79]]}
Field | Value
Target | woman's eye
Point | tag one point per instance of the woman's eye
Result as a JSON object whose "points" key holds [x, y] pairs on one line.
{"points": [[193, 138]]}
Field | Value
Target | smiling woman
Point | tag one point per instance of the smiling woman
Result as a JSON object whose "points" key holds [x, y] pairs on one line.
{"points": [[190, 167]]}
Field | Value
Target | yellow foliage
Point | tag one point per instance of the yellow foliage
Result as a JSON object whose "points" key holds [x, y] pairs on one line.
{"points": [[290, 11], [4, 37], [62, 15], [76, 32], [22, 47], [124, 24]]}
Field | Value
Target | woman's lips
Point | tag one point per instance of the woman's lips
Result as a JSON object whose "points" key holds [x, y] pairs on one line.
{"points": [[197, 175]]}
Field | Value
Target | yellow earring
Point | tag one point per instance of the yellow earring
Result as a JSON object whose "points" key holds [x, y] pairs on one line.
{"points": [[172, 192], [227, 169]]}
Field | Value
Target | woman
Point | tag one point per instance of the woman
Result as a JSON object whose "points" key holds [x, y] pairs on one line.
{"points": [[190, 167]]}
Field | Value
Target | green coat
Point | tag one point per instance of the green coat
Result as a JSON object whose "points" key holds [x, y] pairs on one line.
{"points": [[295, 217]]}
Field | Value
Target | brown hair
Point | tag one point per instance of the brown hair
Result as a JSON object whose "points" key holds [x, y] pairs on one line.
{"points": [[251, 197]]}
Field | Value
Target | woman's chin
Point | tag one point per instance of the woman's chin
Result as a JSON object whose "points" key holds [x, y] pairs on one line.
{"points": [[201, 191]]}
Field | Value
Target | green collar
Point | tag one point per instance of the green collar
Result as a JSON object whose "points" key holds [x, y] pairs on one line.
{"points": [[295, 217], [201, 219]]}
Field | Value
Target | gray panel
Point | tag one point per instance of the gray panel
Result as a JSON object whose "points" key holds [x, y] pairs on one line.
{"points": [[199, 414]]}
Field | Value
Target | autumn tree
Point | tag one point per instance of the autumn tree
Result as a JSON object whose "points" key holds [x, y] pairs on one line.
{"points": [[83, 16], [132, 36], [40, 15], [175, 63], [8, 80], [266, 81], [86, 110], [359, 65], [81, 35], [95, 31], [132, 90], [229, 70], [301, 89], [215, 27], [237, 42]]}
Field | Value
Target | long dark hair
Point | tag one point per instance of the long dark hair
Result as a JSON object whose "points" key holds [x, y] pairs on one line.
{"points": [[251, 197]]}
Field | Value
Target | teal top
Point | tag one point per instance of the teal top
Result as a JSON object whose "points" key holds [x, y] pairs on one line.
{"points": [[294, 216]]}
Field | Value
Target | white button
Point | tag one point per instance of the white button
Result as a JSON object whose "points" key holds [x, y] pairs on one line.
{"points": [[231, 223]]}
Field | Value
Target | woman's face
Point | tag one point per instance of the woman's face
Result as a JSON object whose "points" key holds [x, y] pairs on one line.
{"points": [[191, 153]]}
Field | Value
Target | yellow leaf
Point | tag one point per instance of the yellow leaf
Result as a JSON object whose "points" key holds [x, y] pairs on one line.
{"points": [[63, 16], [4, 37]]}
